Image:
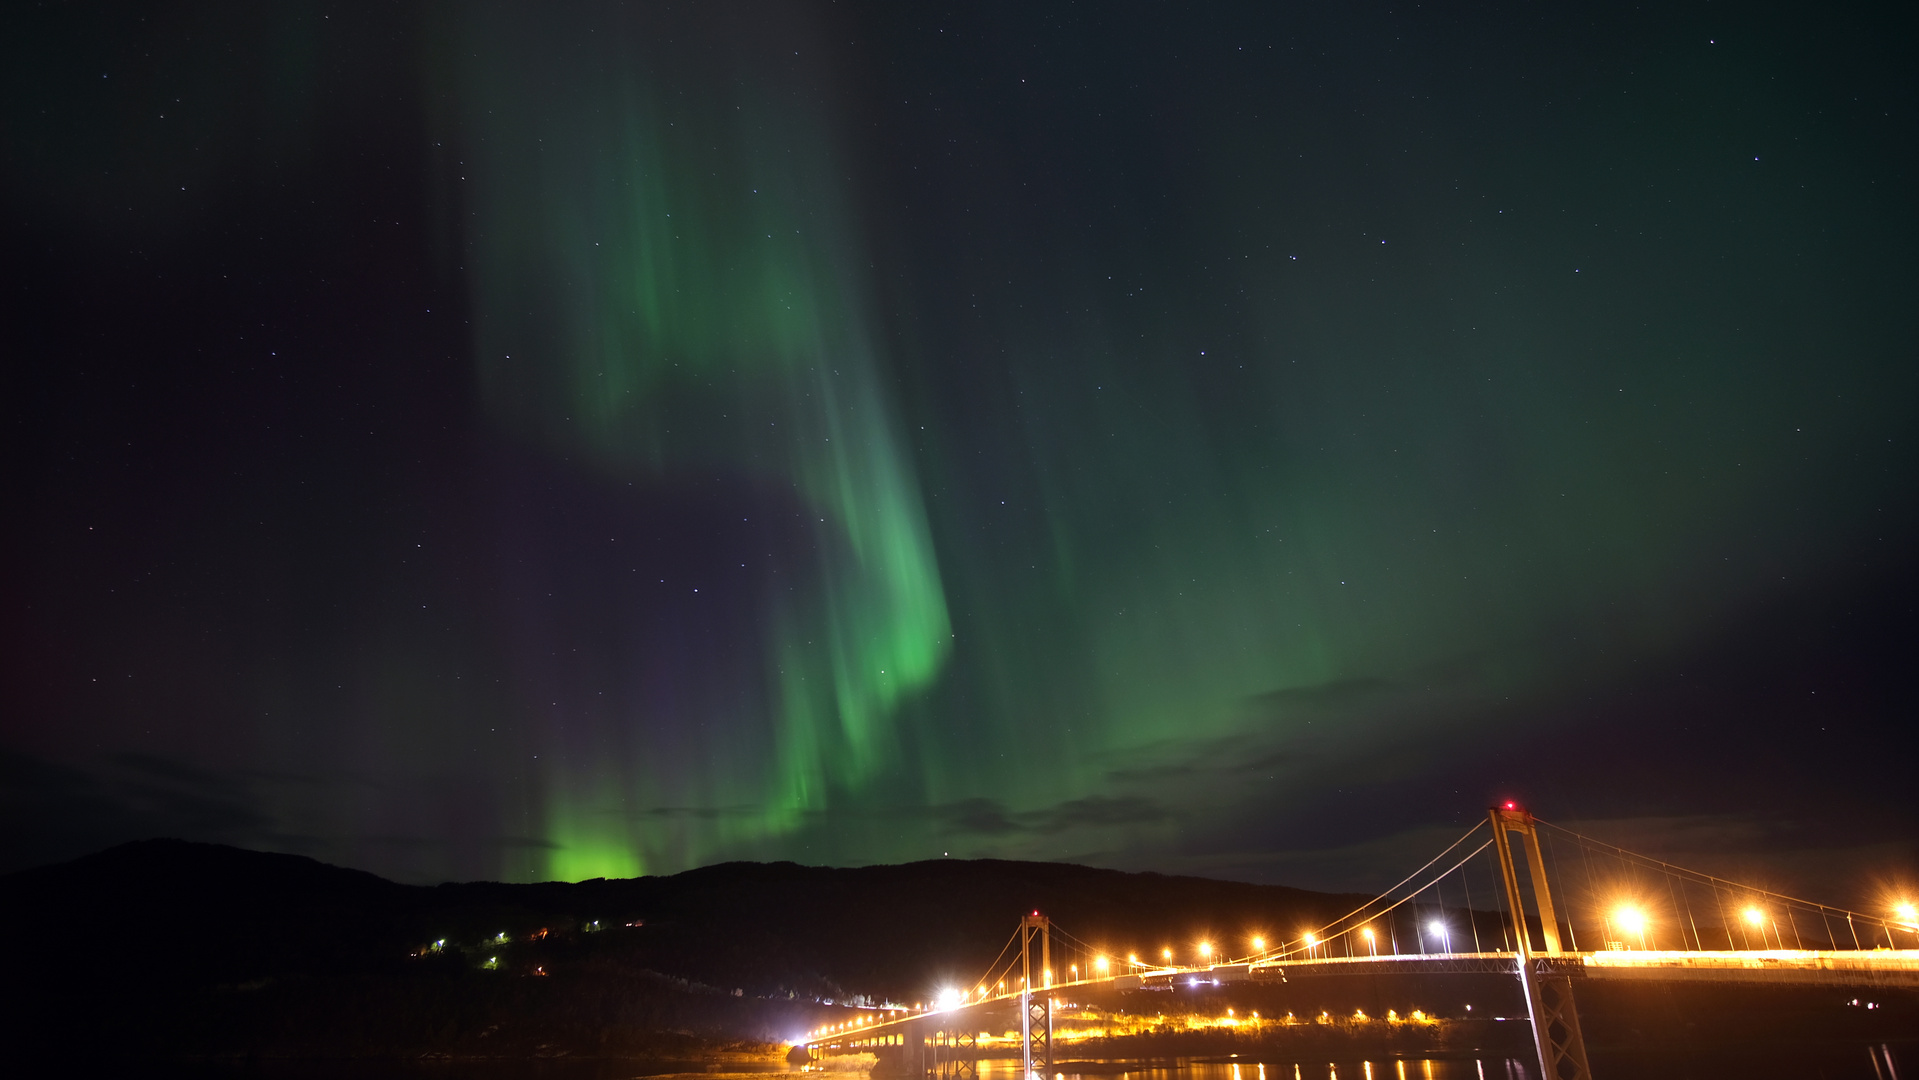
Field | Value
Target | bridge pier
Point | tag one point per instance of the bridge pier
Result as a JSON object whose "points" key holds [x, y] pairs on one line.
{"points": [[953, 1055], [1036, 1015], [1549, 992], [1038, 1027]]}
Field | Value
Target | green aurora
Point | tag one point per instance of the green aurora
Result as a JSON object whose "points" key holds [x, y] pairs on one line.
{"points": [[1234, 442], [1401, 484], [668, 286]]}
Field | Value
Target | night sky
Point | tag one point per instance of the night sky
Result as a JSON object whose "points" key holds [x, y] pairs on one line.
{"points": [[554, 441]]}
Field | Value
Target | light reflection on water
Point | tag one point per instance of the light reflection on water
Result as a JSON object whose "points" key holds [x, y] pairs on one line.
{"points": [[1486, 1068], [1877, 1061]]}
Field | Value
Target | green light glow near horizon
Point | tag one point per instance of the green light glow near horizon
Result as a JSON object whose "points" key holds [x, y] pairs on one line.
{"points": [[666, 288]]}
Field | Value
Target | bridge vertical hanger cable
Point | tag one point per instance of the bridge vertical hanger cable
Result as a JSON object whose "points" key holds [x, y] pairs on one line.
{"points": [[1282, 950], [1649, 935], [1697, 942], [1727, 922], [1552, 853], [1322, 937], [1672, 891], [1592, 891], [1499, 908], [986, 982], [1639, 862], [1466, 883]]}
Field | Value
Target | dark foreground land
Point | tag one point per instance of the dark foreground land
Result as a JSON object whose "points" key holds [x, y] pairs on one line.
{"points": [[164, 948], [166, 951]]}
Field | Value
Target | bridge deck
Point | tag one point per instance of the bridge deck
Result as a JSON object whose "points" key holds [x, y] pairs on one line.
{"points": [[1881, 967], [1865, 968]]}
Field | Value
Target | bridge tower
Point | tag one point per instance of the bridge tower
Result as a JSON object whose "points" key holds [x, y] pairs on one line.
{"points": [[1549, 991], [1036, 1015]]}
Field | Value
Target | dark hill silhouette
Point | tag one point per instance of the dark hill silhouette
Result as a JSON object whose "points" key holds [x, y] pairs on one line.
{"points": [[203, 912], [174, 947]]}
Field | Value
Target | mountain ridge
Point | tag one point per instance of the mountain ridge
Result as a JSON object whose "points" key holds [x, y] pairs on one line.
{"points": [[183, 947]]}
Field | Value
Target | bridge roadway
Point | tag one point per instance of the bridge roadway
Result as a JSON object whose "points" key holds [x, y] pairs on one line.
{"points": [[1865, 968]]}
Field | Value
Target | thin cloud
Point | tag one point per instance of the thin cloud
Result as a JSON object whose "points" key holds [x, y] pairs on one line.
{"points": [[988, 817]]}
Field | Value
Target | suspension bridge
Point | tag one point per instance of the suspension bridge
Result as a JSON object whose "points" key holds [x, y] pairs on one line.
{"points": [[1604, 913]]}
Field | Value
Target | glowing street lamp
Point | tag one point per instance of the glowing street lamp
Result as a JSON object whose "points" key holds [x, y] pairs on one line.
{"points": [[1310, 941], [1259, 944], [1166, 954], [1907, 913], [1631, 921], [1205, 950], [1438, 929], [1101, 965], [1372, 946]]}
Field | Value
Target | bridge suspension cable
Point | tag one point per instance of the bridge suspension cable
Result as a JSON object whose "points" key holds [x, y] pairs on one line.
{"points": [[1744, 896], [1318, 936], [993, 970]]}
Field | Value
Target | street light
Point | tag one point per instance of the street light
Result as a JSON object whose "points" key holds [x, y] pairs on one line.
{"points": [[1371, 945], [1310, 941], [1438, 930], [1100, 964], [1259, 944], [1632, 921], [1205, 949], [1166, 954]]}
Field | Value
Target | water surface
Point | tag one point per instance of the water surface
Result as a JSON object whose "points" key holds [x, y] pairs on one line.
{"points": [[1833, 1061]]}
